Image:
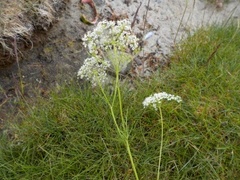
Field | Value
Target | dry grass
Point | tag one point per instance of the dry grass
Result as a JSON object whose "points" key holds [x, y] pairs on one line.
{"points": [[21, 18]]}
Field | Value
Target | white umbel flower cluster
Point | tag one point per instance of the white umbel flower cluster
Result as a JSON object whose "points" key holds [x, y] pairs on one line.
{"points": [[94, 70], [157, 98], [106, 38], [110, 34]]}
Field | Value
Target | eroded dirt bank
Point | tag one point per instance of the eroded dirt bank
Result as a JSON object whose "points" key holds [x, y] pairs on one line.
{"points": [[54, 58]]}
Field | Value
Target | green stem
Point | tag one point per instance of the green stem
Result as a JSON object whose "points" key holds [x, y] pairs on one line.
{"points": [[131, 159], [115, 121], [161, 143], [117, 87], [111, 109], [122, 133], [120, 106], [115, 90]]}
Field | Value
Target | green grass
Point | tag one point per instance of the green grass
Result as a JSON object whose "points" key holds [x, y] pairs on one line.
{"points": [[72, 136]]}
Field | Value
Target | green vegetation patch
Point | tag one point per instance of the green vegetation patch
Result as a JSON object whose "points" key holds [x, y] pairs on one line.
{"points": [[72, 135]]}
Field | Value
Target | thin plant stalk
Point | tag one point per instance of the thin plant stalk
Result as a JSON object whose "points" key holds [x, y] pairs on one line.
{"points": [[117, 62], [145, 22], [117, 87], [145, 19], [180, 23], [161, 143], [17, 60], [123, 125], [111, 109], [131, 159], [123, 133]]}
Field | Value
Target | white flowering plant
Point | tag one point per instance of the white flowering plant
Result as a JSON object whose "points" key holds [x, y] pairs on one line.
{"points": [[94, 69], [109, 35], [157, 98], [155, 101], [110, 46]]}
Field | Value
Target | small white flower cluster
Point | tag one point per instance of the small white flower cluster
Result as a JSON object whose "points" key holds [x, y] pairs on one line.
{"points": [[110, 34], [157, 98], [94, 70], [106, 37]]}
